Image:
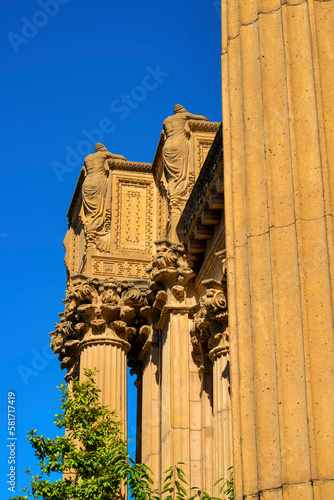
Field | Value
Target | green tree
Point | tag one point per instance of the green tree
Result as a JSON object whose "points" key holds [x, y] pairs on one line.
{"points": [[92, 457]]}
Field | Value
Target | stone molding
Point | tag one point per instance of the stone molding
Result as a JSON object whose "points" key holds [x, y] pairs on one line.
{"points": [[201, 125], [201, 188]]}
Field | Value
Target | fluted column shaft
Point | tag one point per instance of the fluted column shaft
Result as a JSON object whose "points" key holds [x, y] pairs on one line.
{"points": [[208, 446], [222, 421], [111, 377], [175, 396], [150, 430], [277, 67]]}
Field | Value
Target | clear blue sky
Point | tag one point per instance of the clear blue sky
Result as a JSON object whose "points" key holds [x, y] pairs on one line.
{"points": [[72, 72]]}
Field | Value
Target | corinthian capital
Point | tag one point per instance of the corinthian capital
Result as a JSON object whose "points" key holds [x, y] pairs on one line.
{"points": [[210, 334], [96, 312], [171, 271], [171, 265]]}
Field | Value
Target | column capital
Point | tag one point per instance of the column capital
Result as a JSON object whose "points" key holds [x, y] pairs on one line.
{"points": [[171, 266], [171, 271], [210, 334], [98, 312]]}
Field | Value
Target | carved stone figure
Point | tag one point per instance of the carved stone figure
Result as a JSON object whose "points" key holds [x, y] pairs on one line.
{"points": [[175, 155], [96, 196]]}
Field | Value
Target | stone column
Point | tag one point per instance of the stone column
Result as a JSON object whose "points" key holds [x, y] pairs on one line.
{"points": [[175, 429], [95, 332], [211, 342], [110, 361], [150, 406], [170, 274], [198, 407], [277, 67], [222, 418]]}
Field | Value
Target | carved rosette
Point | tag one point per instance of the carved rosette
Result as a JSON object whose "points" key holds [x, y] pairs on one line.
{"points": [[209, 336], [98, 311]]}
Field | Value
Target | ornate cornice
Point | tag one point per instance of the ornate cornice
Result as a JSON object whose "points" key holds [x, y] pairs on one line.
{"points": [[134, 166], [204, 125], [201, 188]]}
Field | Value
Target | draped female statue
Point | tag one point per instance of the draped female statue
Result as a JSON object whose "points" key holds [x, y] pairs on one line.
{"points": [[96, 197], [175, 155]]}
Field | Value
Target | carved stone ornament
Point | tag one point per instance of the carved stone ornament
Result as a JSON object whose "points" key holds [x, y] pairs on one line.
{"points": [[209, 336], [99, 311], [172, 269], [171, 266]]}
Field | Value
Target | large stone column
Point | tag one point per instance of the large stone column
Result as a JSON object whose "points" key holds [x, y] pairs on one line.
{"points": [[175, 400], [110, 361], [95, 333], [222, 421], [277, 67], [171, 272]]}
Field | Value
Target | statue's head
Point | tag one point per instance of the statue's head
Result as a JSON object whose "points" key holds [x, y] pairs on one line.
{"points": [[179, 109], [100, 147]]}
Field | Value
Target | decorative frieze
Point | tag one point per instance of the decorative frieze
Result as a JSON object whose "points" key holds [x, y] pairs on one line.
{"points": [[119, 268], [203, 147]]}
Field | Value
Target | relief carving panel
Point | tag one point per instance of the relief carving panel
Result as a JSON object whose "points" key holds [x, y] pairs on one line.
{"points": [[134, 215]]}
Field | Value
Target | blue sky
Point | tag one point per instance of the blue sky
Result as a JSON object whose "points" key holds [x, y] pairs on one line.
{"points": [[73, 73]]}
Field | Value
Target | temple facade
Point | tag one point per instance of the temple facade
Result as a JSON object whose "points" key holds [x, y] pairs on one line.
{"points": [[210, 270]]}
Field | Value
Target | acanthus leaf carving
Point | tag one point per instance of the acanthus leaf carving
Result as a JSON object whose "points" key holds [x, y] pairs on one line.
{"points": [[171, 271], [210, 333], [171, 265], [98, 311]]}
